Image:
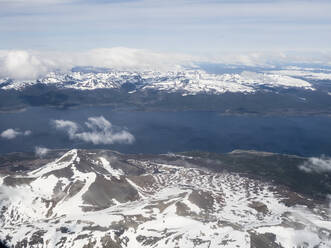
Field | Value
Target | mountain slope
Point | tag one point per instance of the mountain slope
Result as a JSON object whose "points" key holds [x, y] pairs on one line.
{"points": [[186, 82], [105, 199], [247, 92]]}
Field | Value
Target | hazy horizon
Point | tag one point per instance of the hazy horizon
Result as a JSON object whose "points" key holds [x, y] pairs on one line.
{"points": [[200, 28]]}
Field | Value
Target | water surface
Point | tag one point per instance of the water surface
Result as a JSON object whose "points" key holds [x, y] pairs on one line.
{"points": [[162, 132]]}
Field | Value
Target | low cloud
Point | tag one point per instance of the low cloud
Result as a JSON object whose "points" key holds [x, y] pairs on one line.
{"points": [[317, 165], [30, 65], [21, 65], [99, 131], [27, 132], [135, 59], [12, 133], [69, 127], [41, 151]]}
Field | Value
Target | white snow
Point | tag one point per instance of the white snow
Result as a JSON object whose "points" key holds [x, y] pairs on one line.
{"points": [[226, 218], [186, 82], [308, 73], [288, 237], [113, 172], [56, 165]]}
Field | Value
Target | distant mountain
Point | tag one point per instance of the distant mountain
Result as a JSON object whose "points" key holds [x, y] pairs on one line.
{"points": [[248, 92], [186, 82], [99, 198]]}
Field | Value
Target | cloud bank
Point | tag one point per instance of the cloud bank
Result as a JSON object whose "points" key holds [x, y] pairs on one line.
{"points": [[29, 65], [12, 133], [24, 65], [99, 131], [317, 165]]}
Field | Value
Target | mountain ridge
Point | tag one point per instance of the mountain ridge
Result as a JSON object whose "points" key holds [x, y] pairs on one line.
{"points": [[186, 82], [101, 198]]}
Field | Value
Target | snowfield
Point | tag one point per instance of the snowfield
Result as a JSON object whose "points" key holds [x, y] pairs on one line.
{"points": [[186, 82], [87, 199]]}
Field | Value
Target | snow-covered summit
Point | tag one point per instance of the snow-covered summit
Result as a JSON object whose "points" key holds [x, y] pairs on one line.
{"points": [[186, 82]]}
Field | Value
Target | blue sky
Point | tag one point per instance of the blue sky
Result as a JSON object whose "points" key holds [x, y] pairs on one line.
{"points": [[187, 26]]}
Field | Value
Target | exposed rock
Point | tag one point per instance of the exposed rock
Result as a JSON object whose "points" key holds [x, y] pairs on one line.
{"points": [[107, 199]]}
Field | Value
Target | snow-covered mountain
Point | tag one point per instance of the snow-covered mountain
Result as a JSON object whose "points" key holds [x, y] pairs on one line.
{"points": [[186, 82], [105, 199]]}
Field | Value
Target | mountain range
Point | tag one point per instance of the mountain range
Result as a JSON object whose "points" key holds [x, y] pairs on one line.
{"points": [[290, 92], [102, 198]]}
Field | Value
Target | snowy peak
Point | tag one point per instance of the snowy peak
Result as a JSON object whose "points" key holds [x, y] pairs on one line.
{"points": [[186, 82], [76, 161], [73, 184], [64, 161]]}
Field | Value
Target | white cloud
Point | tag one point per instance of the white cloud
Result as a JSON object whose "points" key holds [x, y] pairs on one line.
{"points": [[19, 64], [95, 123], [41, 151], [100, 131], [12, 133], [319, 165], [69, 126], [25, 65], [130, 58], [27, 132], [270, 59], [9, 134]]}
